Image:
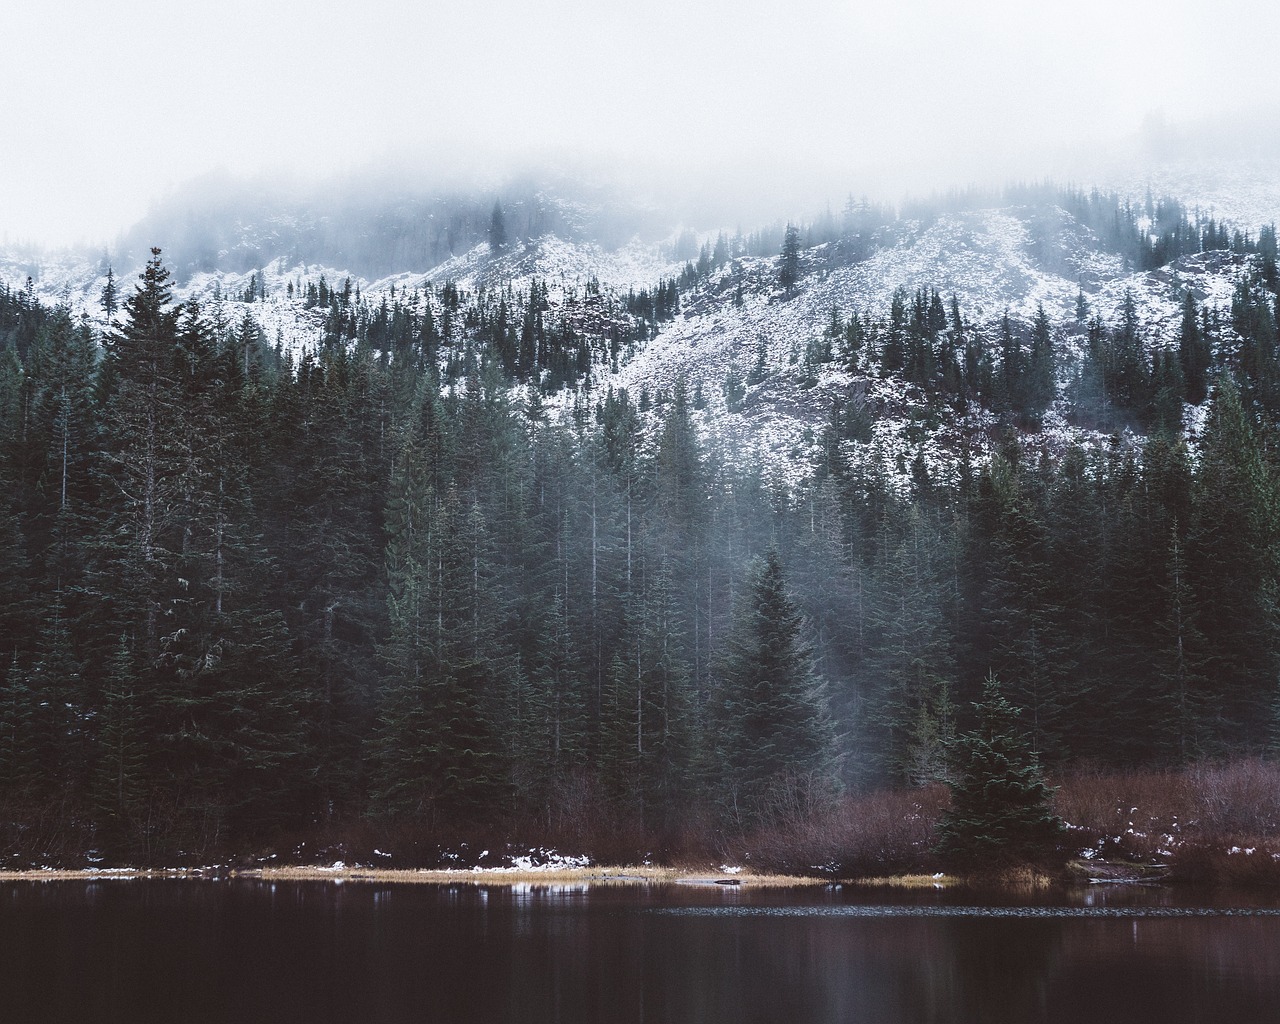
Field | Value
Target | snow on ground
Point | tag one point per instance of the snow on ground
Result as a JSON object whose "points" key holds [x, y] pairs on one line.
{"points": [[987, 259], [1245, 193], [554, 260], [74, 278], [993, 261]]}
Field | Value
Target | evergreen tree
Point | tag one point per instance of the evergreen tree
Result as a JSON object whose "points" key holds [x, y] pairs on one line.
{"points": [[908, 661], [1231, 566], [776, 734], [999, 802], [20, 767], [1194, 353], [109, 299], [144, 460], [497, 228], [120, 771], [789, 266], [1042, 385]]}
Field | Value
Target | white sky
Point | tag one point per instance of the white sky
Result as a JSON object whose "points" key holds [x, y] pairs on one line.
{"points": [[109, 105]]}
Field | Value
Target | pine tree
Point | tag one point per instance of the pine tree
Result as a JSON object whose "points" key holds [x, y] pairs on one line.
{"points": [[999, 802], [20, 768], [437, 748], [1194, 353], [1232, 550], [143, 461], [789, 266], [651, 728], [1179, 646], [1042, 385], [497, 228], [119, 781], [775, 731], [109, 298], [909, 659]]}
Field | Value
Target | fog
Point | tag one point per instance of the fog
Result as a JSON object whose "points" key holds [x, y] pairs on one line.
{"points": [[750, 108]]}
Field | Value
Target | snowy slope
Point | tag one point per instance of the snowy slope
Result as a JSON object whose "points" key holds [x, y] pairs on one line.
{"points": [[988, 259], [995, 261], [1245, 193]]}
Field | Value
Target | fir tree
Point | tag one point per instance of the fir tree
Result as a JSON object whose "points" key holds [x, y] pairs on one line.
{"points": [[999, 802], [109, 298], [789, 265], [1232, 550], [497, 228], [775, 728], [145, 459], [119, 779], [1194, 353]]}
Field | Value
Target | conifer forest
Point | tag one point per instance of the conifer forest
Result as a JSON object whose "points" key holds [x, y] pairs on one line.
{"points": [[440, 575]]}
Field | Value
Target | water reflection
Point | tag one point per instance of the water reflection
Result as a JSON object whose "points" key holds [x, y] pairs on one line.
{"points": [[198, 951]]}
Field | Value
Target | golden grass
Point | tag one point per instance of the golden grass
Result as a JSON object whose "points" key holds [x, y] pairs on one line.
{"points": [[613, 875], [618, 875], [1014, 879], [938, 881], [100, 875], [1024, 877]]}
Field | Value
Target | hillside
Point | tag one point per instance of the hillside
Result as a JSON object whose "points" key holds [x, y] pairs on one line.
{"points": [[993, 256]]}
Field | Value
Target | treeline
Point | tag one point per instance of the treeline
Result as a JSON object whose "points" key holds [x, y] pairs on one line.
{"points": [[1103, 376], [1122, 595], [244, 596], [1159, 232]]}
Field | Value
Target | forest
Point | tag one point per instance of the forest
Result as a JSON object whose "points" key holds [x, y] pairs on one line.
{"points": [[439, 575]]}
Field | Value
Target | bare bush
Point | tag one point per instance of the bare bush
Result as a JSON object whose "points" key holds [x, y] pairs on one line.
{"points": [[872, 833], [1237, 796], [1193, 817]]}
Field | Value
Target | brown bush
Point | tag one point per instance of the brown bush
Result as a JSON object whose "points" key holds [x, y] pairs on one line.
{"points": [[885, 831], [1191, 817]]}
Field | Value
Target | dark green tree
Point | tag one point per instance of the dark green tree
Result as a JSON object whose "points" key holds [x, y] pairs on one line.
{"points": [[1194, 352], [143, 463], [1232, 550], [775, 732], [999, 802], [120, 770], [789, 267], [497, 228], [110, 299]]}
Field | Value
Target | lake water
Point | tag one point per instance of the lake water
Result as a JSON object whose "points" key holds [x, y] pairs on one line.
{"points": [[243, 951]]}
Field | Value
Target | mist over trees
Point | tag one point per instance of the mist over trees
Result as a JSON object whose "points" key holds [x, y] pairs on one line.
{"points": [[373, 225], [246, 596]]}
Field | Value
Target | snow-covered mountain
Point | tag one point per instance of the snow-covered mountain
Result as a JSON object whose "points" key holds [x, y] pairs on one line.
{"points": [[996, 259]]}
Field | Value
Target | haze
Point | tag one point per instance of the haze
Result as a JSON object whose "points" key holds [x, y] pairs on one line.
{"points": [[774, 105]]}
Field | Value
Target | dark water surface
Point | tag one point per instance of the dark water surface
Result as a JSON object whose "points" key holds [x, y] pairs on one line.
{"points": [[241, 951]]}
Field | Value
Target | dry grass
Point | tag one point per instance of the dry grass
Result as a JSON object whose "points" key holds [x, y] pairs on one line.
{"points": [[613, 875], [621, 875], [936, 881], [1208, 822], [1023, 878], [99, 875]]}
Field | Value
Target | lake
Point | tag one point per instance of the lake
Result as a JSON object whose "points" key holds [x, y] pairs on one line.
{"points": [[244, 951]]}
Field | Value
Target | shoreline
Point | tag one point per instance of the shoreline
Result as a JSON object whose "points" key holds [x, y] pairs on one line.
{"points": [[1025, 878], [613, 875]]}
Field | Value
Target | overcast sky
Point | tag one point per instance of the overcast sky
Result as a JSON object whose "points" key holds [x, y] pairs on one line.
{"points": [[109, 105]]}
